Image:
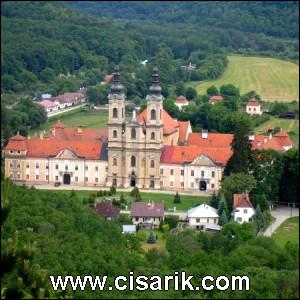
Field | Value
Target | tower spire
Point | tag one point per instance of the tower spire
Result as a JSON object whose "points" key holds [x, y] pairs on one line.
{"points": [[117, 87], [155, 88]]}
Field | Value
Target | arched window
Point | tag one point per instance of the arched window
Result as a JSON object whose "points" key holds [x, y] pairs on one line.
{"points": [[133, 133], [115, 112], [153, 114], [115, 133], [152, 135], [114, 162], [133, 161], [152, 163]]}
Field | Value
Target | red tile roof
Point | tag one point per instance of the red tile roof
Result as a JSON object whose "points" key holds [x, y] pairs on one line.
{"points": [[214, 99], [58, 125], [47, 104], [181, 100], [143, 209], [241, 200], [186, 154], [170, 124], [253, 102], [217, 140], [107, 210], [16, 143], [183, 129]]}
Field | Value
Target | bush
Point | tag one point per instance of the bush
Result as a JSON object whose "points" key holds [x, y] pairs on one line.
{"points": [[165, 228], [113, 190], [172, 221], [100, 193]]}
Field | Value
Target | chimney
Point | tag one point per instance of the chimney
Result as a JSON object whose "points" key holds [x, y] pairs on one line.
{"points": [[251, 136], [79, 129], [41, 135], [204, 133], [265, 140], [53, 131], [270, 135]]}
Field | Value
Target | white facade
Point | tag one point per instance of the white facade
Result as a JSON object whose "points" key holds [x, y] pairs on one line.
{"points": [[243, 214], [254, 110]]}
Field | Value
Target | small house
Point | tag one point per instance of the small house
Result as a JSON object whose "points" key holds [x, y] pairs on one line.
{"points": [[215, 99], [253, 107], [107, 210], [147, 214], [204, 218], [181, 101], [243, 210]]}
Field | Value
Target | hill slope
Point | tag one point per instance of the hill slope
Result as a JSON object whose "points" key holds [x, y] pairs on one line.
{"points": [[272, 79]]}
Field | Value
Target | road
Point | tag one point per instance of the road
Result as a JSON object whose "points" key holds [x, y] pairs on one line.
{"points": [[280, 214]]}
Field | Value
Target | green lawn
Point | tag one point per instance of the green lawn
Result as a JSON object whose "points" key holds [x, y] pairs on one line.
{"points": [[187, 201], [78, 117], [289, 126], [287, 231], [272, 79]]}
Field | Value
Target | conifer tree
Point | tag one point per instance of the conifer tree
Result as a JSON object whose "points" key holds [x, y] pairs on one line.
{"points": [[177, 198], [223, 219], [222, 205], [259, 218], [151, 238], [214, 201]]}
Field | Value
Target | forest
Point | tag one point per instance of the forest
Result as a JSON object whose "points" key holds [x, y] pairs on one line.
{"points": [[61, 228]]}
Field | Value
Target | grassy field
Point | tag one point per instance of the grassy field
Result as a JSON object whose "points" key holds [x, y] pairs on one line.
{"points": [[78, 117], [287, 231], [160, 244], [272, 79], [187, 201], [289, 126]]}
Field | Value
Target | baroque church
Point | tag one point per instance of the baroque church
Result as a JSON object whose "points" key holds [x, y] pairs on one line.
{"points": [[151, 151]]}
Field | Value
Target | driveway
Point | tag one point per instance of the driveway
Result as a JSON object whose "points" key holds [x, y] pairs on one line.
{"points": [[280, 213]]}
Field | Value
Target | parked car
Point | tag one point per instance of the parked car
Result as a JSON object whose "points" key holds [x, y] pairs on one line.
{"points": [[56, 184]]}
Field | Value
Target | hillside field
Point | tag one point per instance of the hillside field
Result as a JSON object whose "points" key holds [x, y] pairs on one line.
{"points": [[287, 231], [272, 79]]}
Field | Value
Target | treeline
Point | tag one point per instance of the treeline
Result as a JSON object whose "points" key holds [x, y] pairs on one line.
{"points": [[69, 238]]}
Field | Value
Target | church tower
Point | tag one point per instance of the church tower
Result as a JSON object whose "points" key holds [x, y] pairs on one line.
{"points": [[116, 131]]}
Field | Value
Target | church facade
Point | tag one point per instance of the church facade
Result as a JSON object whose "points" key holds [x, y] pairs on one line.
{"points": [[151, 151]]}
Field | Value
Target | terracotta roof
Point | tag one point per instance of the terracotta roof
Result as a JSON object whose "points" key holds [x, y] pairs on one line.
{"points": [[241, 200], [106, 209], [58, 125], [253, 102], [183, 129], [276, 142], [182, 99], [108, 78], [170, 124], [143, 209], [17, 143], [47, 103], [217, 140], [69, 97], [186, 154], [215, 98]]}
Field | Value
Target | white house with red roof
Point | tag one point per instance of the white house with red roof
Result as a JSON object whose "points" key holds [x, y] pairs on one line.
{"points": [[181, 101], [253, 107], [49, 106], [243, 210], [215, 99]]}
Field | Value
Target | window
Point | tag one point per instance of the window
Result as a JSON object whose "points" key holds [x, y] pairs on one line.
{"points": [[207, 220], [192, 184], [76, 168], [151, 181], [56, 167], [86, 168], [37, 177], [161, 183], [47, 166], [133, 133], [172, 171], [192, 173], [182, 172], [213, 174], [182, 184], [86, 179], [96, 169], [114, 162], [19, 176], [37, 165], [202, 173], [11, 165], [66, 167], [212, 185], [115, 134], [161, 171], [56, 177], [239, 219], [114, 183], [115, 112], [245, 210], [18, 166], [136, 218], [47, 177], [171, 183], [198, 220], [152, 135], [96, 179], [27, 176], [215, 220], [133, 161], [152, 163], [76, 178], [153, 114], [27, 165]]}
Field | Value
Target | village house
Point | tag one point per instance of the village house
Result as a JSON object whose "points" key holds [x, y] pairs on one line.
{"points": [[204, 218], [69, 99], [253, 107], [215, 99], [107, 210], [49, 106], [243, 210], [146, 214], [181, 101]]}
